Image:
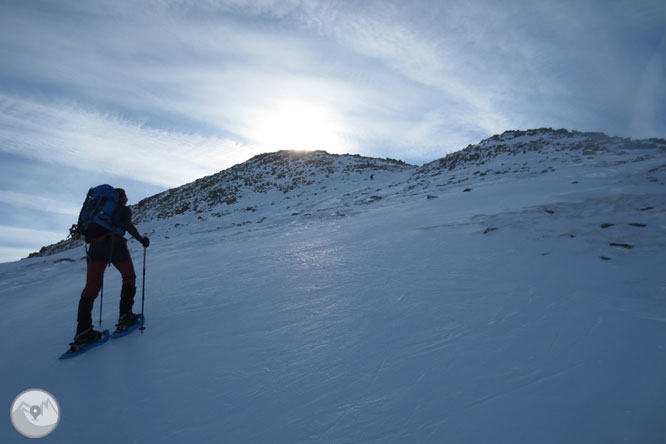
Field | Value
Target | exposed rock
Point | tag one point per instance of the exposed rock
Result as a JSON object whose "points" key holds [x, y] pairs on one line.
{"points": [[627, 246]]}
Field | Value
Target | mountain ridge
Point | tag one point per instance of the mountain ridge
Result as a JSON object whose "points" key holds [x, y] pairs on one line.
{"points": [[307, 183]]}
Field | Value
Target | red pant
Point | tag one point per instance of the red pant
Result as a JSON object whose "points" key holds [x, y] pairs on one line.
{"points": [[95, 275], [102, 251]]}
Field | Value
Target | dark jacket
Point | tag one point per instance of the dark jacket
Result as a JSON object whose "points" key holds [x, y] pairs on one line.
{"points": [[122, 218]]}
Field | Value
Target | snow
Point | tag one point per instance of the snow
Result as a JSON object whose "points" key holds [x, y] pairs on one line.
{"points": [[479, 316]]}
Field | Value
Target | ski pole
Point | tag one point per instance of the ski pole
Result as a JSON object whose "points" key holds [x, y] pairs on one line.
{"points": [[101, 297], [143, 289], [101, 302]]}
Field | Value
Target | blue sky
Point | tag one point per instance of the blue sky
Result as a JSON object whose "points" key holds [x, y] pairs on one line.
{"points": [[149, 95]]}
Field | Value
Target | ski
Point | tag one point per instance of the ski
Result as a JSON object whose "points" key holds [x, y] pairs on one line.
{"points": [[70, 354], [119, 334]]}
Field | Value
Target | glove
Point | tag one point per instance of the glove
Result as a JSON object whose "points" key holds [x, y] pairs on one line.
{"points": [[145, 242]]}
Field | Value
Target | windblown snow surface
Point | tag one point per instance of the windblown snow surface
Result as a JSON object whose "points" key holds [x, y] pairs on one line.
{"points": [[530, 308]]}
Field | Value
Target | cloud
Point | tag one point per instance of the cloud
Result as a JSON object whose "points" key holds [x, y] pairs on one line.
{"points": [[67, 134], [219, 70], [419, 79], [510, 65], [648, 117], [34, 202], [11, 254], [21, 237], [16, 243]]}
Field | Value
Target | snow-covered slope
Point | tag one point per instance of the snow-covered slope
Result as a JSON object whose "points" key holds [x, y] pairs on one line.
{"points": [[268, 189], [512, 292]]}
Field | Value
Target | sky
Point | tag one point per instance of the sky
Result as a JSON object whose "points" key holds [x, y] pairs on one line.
{"points": [[149, 95]]}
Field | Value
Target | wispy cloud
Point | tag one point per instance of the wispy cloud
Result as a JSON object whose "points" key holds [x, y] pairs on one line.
{"points": [[220, 72], [41, 203], [67, 134], [17, 243], [19, 235]]}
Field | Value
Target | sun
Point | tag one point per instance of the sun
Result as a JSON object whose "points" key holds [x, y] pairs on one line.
{"points": [[298, 125]]}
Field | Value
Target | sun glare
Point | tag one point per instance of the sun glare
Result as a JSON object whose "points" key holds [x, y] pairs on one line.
{"points": [[298, 125]]}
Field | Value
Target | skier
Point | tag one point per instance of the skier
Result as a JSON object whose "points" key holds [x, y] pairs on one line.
{"points": [[107, 247]]}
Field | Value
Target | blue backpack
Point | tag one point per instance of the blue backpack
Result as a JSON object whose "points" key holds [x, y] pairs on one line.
{"points": [[98, 208]]}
